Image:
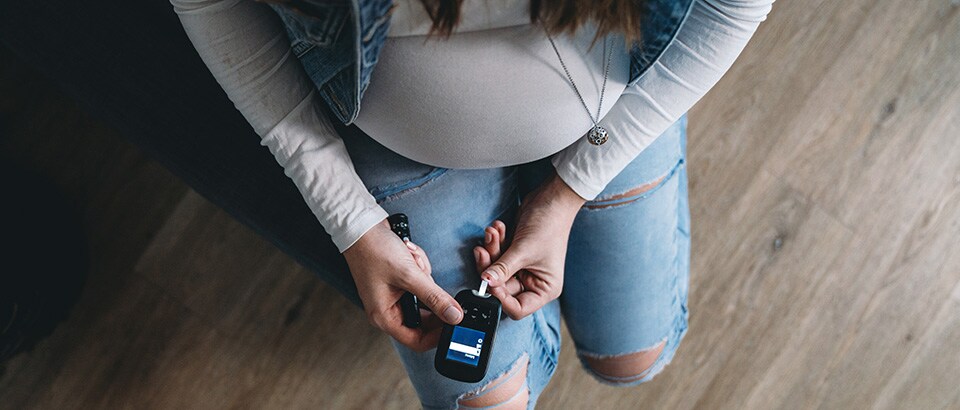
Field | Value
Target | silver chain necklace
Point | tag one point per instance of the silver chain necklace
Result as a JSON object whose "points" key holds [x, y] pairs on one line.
{"points": [[597, 135]]}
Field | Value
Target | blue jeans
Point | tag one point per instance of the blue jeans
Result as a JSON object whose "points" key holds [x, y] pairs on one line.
{"points": [[627, 264]]}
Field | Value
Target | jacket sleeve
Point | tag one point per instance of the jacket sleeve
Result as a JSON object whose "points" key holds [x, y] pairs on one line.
{"points": [[706, 45], [244, 44]]}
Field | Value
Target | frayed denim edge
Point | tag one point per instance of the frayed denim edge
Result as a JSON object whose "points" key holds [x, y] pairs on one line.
{"points": [[600, 204], [479, 391]]}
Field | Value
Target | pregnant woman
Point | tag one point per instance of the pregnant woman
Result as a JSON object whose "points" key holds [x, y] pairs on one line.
{"points": [[537, 144]]}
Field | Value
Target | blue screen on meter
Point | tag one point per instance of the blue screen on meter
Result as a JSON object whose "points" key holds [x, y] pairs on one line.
{"points": [[465, 345]]}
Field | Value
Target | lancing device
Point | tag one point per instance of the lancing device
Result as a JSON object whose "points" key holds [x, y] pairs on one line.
{"points": [[409, 305]]}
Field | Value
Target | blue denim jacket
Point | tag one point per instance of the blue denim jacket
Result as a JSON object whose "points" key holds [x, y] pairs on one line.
{"points": [[340, 60]]}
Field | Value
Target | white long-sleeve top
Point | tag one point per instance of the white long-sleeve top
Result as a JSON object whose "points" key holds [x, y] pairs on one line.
{"points": [[245, 46], [492, 95]]}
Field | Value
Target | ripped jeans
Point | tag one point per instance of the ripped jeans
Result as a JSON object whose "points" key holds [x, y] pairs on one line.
{"points": [[627, 265]]}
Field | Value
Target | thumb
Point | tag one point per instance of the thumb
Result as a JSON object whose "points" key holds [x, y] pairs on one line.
{"points": [[505, 267], [437, 299]]}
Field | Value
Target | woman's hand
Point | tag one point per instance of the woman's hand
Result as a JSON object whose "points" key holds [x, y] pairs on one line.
{"points": [[384, 267], [493, 241], [529, 274]]}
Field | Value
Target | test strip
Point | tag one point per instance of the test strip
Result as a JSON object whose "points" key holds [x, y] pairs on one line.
{"points": [[483, 288]]}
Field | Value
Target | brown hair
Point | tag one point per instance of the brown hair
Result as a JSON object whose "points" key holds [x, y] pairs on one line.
{"points": [[558, 16]]}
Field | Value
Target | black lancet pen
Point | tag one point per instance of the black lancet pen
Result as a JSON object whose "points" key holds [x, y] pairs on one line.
{"points": [[409, 305]]}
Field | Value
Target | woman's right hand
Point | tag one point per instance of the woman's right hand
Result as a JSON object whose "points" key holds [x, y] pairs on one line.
{"points": [[383, 268]]}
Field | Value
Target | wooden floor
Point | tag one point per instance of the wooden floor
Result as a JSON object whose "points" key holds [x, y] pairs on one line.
{"points": [[825, 196]]}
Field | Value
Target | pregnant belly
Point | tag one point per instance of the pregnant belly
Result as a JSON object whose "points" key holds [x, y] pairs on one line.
{"points": [[488, 98]]}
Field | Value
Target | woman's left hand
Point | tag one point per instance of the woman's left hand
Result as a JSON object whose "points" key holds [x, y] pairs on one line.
{"points": [[529, 274]]}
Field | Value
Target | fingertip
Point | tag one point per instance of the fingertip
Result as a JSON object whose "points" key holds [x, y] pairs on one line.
{"points": [[484, 258], [453, 314], [502, 227], [487, 276]]}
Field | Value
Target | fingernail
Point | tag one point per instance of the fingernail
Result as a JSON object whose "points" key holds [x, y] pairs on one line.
{"points": [[486, 237], [410, 245], [451, 314]]}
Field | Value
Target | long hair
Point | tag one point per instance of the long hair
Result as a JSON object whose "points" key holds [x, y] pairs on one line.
{"points": [[557, 16]]}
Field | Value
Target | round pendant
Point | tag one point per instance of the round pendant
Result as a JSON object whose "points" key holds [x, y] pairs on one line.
{"points": [[597, 135]]}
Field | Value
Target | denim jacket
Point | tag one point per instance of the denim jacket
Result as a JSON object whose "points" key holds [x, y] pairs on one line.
{"points": [[339, 60]]}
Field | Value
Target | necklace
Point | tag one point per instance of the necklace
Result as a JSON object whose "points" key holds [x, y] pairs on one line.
{"points": [[597, 135]]}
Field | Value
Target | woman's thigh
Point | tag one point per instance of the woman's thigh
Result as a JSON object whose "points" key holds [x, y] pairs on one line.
{"points": [[448, 210], [627, 267]]}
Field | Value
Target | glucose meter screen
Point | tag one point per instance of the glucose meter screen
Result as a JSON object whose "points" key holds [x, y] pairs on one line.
{"points": [[465, 345]]}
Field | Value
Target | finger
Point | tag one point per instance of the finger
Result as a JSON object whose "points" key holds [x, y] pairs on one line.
{"points": [[476, 259], [513, 286], [432, 295], [419, 261], [390, 321], [421, 256], [493, 247], [502, 228], [504, 267], [430, 327], [415, 254], [521, 305], [482, 258], [492, 235], [430, 322], [426, 261]]}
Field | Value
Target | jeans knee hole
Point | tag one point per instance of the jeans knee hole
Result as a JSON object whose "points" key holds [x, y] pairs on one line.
{"points": [[507, 391], [624, 369]]}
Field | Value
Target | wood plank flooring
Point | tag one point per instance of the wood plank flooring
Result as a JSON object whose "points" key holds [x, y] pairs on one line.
{"points": [[825, 199]]}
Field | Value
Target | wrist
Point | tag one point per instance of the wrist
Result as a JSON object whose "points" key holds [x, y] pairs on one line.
{"points": [[564, 194], [370, 237]]}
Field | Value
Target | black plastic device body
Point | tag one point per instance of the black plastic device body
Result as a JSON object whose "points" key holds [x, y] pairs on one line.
{"points": [[409, 305], [464, 349]]}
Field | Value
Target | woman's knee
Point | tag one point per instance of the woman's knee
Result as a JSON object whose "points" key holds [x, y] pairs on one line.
{"points": [[625, 369], [508, 391]]}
